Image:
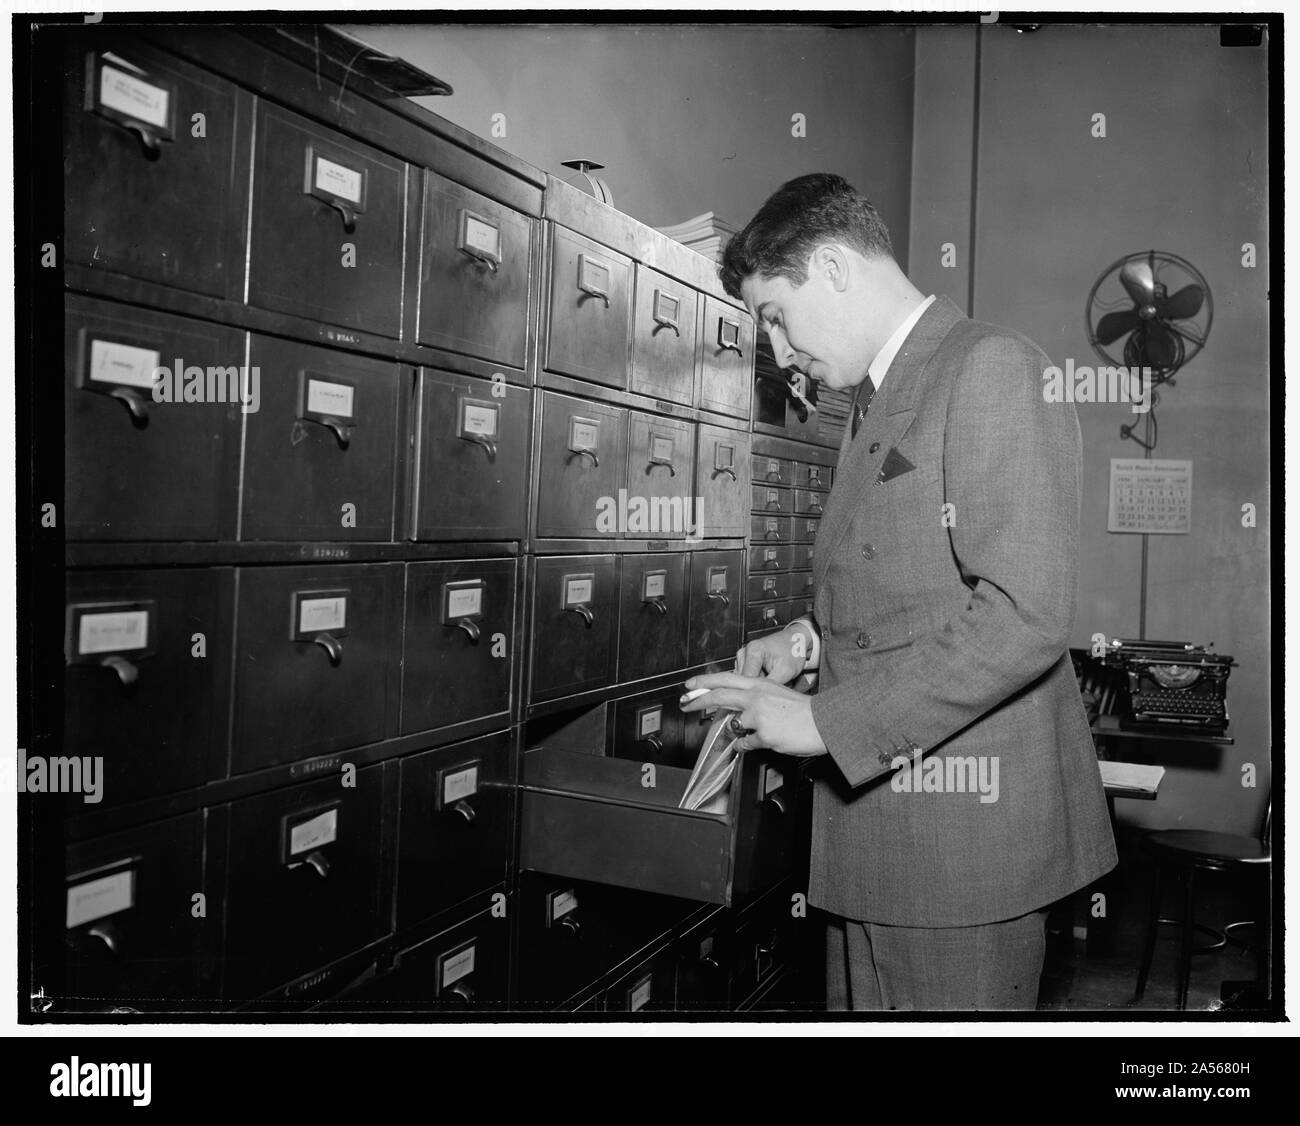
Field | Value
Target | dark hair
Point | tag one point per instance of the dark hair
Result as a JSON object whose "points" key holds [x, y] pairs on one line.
{"points": [[798, 217]]}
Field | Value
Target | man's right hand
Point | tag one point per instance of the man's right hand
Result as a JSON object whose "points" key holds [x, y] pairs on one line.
{"points": [[778, 656]]}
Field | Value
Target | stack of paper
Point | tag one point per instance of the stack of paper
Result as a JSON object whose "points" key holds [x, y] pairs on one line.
{"points": [[710, 783], [706, 234]]}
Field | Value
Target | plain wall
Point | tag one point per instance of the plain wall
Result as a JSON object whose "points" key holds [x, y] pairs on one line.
{"points": [[1183, 168], [685, 118]]}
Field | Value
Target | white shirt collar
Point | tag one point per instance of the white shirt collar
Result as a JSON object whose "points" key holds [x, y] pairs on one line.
{"points": [[880, 365]]}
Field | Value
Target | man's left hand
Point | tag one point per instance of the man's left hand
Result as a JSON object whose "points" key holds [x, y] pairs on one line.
{"points": [[779, 717]]}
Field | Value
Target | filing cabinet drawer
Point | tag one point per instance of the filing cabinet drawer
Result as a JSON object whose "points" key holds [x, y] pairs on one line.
{"points": [[809, 475], [458, 640], [649, 728], [591, 292], [726, 359], [804, 529], [801, 557], [801, 585], [652, 615], [769, 588], [328, 224], [651, 987], [772, 470], [765, 944], [575, 624], [463, 969], [472, 442], [771, 529], [722, 481], [455, 825], [660, 460], [809, 502], [772, 499], [146, 685], [583, 462], [304, 880], [764, 616], [130, 935], [146, 197], [320, 454], [137, 468], [798, 608], [716, 608], [770, 557], [475, 271], [316, 662], [663, 337], [704, 965], [586, 817]]}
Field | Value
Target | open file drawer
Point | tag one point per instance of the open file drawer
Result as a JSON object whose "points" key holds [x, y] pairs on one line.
{"points": [[592, 818]]}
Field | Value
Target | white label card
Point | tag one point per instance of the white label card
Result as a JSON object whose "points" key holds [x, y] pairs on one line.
{"points": [[577, 591], [334, 399], [122, 631], [773, 497], [338, 180], [718, 580], [320, 830], [774, 467], [661, 449], [769, 584], [769, 556], [132, 96], [95, 899], [772, 780], [652, 721], [465, 603], [477, 418], [769, 613], [814, 475], [317, 614], [725, 457], [123, 364], [482, 236], [460, 784], [562, 903], [653, 584], [584, 434], [772, 525], [593, 275], [638, 997], [665, 306], [456, 966]]}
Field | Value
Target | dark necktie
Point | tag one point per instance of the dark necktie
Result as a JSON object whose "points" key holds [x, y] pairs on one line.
{"points": [[861, 401]]}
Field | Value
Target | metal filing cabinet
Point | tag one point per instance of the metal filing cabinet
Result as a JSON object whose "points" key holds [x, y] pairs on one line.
{"points": [[653, 615], [722, 481], [590, 310], [649, 728], [660, 463], [465, 968], [717, 604], [137, 468], [726, 358], [583, 461], [575, 604], [663, 337], [341, 206]]}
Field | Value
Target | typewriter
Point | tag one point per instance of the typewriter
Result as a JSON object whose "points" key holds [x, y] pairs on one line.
{"points": [[1172, 684]]}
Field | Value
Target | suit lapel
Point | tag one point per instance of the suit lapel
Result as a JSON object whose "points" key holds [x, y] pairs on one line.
{"points": [[891, 413]]}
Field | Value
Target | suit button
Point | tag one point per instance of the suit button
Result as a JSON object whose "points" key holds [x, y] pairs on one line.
{"points": [[874, 447], [864, 639], [868, 551]]}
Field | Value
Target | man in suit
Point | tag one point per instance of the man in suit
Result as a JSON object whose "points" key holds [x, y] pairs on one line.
{"points": [[958, 794]]}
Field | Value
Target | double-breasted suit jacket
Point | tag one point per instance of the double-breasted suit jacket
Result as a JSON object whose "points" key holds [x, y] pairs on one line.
{"points": [[946, 572]]}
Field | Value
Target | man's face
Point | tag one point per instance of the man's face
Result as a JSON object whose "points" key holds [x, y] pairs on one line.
{"points": [[810, 326]]}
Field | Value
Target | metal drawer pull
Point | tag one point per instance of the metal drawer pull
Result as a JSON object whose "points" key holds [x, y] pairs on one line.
{"points": [[570, 924], [486, 443], [672, 472], [319, 863], [728, 471], [332, 646], [775, 800], [658, 604], [470, 627], [341, 430], [127, 673], [721, 598], [586, 613], [774, 505], [464, 992], [465, 810], [107, 934], [656, 744], [595, 461], [483, 257], [133, 403], [772, 534]]}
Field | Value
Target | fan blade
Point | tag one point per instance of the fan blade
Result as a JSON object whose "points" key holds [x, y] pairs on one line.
{"points": [[1184, 304], [1138, 279], [1114, 325], [1159, 347]]}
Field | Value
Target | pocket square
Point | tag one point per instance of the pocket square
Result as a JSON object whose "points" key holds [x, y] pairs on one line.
{"points": [[895, 465]]}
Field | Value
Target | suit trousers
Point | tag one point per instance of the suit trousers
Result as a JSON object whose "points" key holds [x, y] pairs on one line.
{"points": [[875, 968]]}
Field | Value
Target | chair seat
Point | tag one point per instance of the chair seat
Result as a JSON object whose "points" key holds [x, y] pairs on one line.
{"points": [[1196, 847]]}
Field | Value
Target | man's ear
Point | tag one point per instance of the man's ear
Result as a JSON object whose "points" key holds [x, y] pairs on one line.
{"points": [[829, 261]]}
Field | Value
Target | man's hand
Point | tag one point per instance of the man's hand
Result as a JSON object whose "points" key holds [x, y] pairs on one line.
{"points": [[778, 656], [779, 717]]}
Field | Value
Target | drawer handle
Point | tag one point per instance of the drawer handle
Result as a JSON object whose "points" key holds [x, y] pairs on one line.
{"points": [[342, 431], [149, 140], [470, 627], [127, 673], [349, 216], [319, 863], [108, 935], [709, 962], [774, 475], [465, 810], [585, 611], [665, 462], [464, 992], [595, 461], [332, 646], [135, 405], [771, 564], [728, 471], [776, 801], [774, 505], [772, 534], [589, 289], [570, 924], [486, 443], [664, 322], [482, 257], [658, 604], [721, 598], [816, 506], [730, 346], [656, 744]]}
